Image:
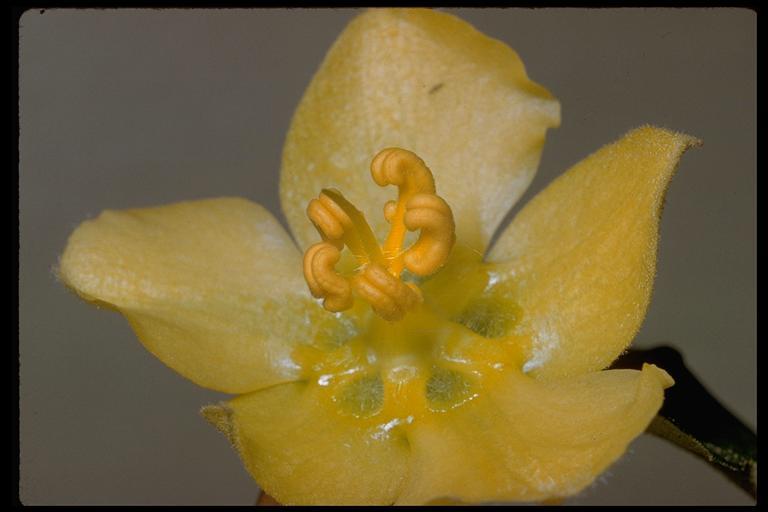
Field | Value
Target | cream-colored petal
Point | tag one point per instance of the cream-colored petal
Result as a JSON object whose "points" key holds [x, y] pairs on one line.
{"points": [[302, 451], [428, 82], [580, 258], [531, 440], [213, 288]]}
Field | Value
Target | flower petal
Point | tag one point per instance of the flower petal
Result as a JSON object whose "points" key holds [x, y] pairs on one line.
{"points": [[529, 440], [302, 451], [430, 83], [580, 258], [213, 288]]}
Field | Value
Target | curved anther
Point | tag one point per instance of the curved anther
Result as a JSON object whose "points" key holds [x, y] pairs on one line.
{"points": [[322, 278], [403, 168], [389, 297], [432, 215], [329, 219]]}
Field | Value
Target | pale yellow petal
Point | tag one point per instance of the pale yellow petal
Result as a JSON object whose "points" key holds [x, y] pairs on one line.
{"points": [[531, 440], [428, 82], [580, 258], [213, 288], [302, 451]]}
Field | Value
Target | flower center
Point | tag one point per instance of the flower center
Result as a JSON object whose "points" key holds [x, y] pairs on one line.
{"points": [[377, 278]]}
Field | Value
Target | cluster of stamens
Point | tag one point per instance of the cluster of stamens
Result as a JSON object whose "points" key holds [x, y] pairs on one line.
{"points": [[377, 279]]}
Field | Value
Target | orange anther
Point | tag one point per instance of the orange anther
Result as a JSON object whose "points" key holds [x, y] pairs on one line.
{"points": [[403, 168], [322, 278], [432, 215], [329, 219], [388, 295]]}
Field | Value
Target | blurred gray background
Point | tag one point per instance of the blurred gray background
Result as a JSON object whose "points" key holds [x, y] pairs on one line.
{"points": [[132, 108]]}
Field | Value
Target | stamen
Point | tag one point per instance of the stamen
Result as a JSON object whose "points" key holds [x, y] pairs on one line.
{"points": [[360, 240], [388, 295], [432, 215], [339, 222], [395, 166], [377, 280], [322, 278], [329, 219]]}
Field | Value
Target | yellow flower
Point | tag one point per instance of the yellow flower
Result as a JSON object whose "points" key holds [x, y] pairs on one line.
{"points": [[483, 380]]}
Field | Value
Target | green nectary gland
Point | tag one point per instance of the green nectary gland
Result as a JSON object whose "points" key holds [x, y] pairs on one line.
{"points": [[483, 316], [444, 388], [362, 397], [483, 313], [447, 389]]}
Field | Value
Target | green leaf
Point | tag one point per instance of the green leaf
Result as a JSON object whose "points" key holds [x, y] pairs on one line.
{"points": [[694, 420]]}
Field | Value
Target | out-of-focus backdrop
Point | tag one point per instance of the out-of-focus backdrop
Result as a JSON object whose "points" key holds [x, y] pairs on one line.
{"points": [[133, 108]]}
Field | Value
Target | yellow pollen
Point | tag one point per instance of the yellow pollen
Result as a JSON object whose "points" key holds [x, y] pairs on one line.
{"points": [[377, 279]]}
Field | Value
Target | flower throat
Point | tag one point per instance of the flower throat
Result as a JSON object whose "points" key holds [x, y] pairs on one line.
{"points": [[377, 278]]}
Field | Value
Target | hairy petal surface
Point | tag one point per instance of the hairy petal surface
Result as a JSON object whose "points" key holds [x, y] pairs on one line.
{"points": [[430, 83], [530, 440], [302, 451], [580, 258], [213, 288]]}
